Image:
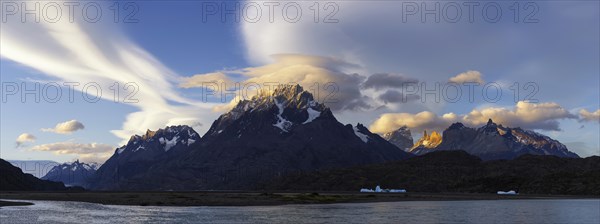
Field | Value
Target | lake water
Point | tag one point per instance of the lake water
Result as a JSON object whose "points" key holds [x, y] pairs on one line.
{"points": [[496, 211]]}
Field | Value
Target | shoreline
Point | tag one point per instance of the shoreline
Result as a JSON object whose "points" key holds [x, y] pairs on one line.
{"points": [[224, 198], [13, 203]]}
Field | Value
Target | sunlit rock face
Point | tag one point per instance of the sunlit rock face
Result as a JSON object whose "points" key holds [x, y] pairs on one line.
{"points": [[493, 141], [427, 142]]}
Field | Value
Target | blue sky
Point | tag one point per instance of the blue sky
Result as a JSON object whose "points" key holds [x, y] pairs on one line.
{"points": [[170, 45]]}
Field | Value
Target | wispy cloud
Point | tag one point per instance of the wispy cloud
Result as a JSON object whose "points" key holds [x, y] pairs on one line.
{"points": [[94, 53]]}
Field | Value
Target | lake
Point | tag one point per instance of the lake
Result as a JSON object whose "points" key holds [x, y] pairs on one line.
{"points": [[495, 211]]}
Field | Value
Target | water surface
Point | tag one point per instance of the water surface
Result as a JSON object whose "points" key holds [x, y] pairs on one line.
{"points": [[495, 211]]}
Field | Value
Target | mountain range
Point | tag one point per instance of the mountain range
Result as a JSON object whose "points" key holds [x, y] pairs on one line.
{"points": [[491, 141], [72, 174], [270, 135], [278, 133]]}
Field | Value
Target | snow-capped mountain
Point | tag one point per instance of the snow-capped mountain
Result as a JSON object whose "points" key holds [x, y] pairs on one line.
{"points": [[72, 174], [493, 141], [401, 138], [142, 152], [287, 108], [270, 135]]}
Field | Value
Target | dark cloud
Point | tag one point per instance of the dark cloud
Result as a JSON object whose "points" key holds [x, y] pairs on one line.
{"points": [[387, 80], [393, 96]]}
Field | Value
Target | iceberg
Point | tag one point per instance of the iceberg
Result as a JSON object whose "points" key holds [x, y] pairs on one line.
{"points": [[507, 193], [378, 189]]}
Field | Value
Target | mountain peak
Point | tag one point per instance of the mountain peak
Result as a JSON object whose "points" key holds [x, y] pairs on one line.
{"points": [[286, 107], [428, 141], [288, 90], [401, 138], [490, 127], [164, 139], [457, 126]]}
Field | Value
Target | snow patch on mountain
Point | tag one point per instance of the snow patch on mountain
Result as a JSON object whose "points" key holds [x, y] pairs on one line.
{"points": [[282, 123], [312, 115], [190, 141], [362, 136], [170, 143]]}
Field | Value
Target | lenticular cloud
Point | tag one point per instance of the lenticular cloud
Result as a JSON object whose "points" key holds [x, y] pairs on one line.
{"points": [[84, 52]]}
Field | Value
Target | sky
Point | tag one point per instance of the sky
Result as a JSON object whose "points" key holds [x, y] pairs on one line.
{"points": [[384, 64]]}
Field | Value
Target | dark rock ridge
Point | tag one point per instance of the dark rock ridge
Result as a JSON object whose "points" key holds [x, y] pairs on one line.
{"points": [[142, 152], [457, 171], [401, 138], [37, 168], [72, 174], [493, 141], [13, 179], [268, 136]]}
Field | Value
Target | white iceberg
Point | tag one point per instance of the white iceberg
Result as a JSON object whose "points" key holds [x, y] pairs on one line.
{"points": [[378, 189], [507, 193]]}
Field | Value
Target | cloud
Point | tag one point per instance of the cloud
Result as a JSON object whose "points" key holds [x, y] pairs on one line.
{"points": [[469, 76], [66, 127], [589, 116], [92, 152], [393, 96], [25, 137], [90, 53], [201, 80], [417, 122], [542, 116], [322, 76], [387, 80]]}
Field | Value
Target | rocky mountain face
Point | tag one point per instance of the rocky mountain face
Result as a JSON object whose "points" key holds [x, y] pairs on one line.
{"points": [[143, 152], [401, 138], [72, 174], [457, 171], [493, 141], [270, 135], [13, 179], [427, 142]]}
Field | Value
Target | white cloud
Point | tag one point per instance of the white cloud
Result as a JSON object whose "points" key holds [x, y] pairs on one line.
{"points": [[90, 152], [201, 80], [24, 138], [66, 127], [323, 76], [542, 116], [589, 116], [93, 53], [416, 122], [469, 76]]}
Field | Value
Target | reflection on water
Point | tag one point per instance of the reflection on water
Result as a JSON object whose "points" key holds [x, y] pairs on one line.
{"points": [[504, 211]]}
